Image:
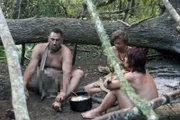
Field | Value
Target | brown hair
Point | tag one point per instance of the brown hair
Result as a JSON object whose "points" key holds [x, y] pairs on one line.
{"points": [[119, 34], [136, 59], [57, 30]]}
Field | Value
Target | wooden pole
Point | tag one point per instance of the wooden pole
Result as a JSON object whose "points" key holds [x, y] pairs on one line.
{"points": [[17, 89]]}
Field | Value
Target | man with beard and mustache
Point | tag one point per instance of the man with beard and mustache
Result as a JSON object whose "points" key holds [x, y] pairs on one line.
{"points": [[58, 62]]}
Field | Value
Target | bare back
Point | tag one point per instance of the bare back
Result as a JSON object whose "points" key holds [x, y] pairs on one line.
{"points": [[143, 84]]}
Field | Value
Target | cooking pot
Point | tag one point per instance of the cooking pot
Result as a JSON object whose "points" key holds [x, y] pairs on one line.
{"points": [[80, 101]]}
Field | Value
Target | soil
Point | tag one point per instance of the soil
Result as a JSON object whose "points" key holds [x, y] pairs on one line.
{"points": [[165, 71]]}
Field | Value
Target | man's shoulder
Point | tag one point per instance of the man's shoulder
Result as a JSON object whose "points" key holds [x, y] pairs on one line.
{"points": [[130, 76], [65, 48], [40, 47], [41, 44]]}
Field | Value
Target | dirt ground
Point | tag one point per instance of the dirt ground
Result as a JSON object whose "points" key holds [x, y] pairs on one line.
{"points": [[164, 71]]}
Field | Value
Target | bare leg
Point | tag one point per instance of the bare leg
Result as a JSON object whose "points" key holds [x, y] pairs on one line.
{"points": [[76, 78], [123, 100], [107, 102], [91, 89]]}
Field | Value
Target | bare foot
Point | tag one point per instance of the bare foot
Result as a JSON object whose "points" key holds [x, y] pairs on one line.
{"points": [[91, 114], [57, 106]]}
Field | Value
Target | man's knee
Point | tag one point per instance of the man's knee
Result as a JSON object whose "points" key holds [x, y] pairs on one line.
{"points": [[78, 73]]}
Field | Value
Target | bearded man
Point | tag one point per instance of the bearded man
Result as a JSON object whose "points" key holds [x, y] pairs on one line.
{"points": [[55, 62]]}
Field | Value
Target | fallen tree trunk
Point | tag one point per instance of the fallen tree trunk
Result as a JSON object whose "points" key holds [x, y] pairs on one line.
{"points": [[157, 33], [35, 30], [132, 113]]}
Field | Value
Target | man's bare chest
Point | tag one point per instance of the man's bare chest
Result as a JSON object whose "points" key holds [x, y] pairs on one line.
{"points": [[54, 61]]}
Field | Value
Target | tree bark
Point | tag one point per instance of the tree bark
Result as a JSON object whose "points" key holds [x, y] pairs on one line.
{"points": [[16, 9], [35, 30], [157, 33]]}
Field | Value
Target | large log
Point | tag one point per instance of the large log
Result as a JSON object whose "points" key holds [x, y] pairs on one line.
{"points": [[157, 33], [34, 30]]}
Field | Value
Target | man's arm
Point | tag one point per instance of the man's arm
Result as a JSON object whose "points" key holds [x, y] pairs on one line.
{"points": [[114, 83], [35, 57], [66, 68]]}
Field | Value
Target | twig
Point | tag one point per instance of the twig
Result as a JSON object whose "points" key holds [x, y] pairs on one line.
{"points": [[74, 93]]}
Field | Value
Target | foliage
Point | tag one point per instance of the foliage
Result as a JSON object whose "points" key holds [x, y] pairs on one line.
{"points": [[144, 10], [72, 8], [141, 10], [2, 53], [6, 6], [28, 52]]}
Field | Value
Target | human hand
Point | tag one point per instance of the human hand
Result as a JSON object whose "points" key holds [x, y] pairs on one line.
{"points": [[107, 82], [60, 97]]}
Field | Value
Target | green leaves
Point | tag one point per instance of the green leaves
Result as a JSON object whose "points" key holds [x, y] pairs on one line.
{"points": [[2, 54], [139, 10]]}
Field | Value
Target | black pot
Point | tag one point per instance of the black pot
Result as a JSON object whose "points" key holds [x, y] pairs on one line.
{"points": [[83, 105]]}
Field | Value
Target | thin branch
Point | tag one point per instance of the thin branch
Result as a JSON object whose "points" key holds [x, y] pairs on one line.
{"points": [[64, 8], [84, 9], [104, 3], [173, 13], [162, 9], [16, 9], [124, 23], [127, 10], [112, 12]]}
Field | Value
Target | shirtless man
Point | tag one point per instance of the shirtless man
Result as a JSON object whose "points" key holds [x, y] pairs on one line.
{"points": [[120, 48], [58, 61], [138, 78]]}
